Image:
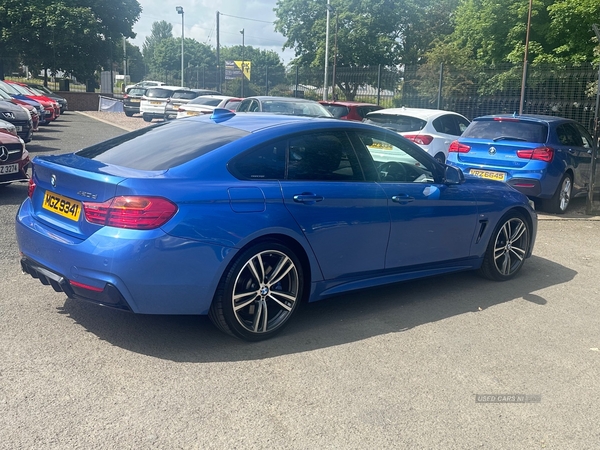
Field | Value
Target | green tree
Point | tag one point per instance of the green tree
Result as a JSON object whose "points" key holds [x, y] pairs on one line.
{"points": [[160, 31], [368, 33], [75, 36], [167, 57]]}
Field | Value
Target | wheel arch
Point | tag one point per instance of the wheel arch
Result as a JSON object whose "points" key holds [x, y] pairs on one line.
{"points": [[294, 246]]}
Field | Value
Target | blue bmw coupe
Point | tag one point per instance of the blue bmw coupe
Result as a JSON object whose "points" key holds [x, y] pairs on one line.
{"points": [[244, 216]]}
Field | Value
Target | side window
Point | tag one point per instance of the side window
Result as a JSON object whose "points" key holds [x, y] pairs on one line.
{"points": [[585, 136], [446, 124], [244, 106], [323, 157], [568, 135], [462, 124], [264, 163], [396, 160]]}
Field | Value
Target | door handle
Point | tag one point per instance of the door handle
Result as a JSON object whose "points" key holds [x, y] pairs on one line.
{"points": [[308, 198], [403, 199]]}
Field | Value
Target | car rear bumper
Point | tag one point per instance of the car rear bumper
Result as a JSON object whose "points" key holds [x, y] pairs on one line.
{"points": [[147, 272], [532, 181], [108, 296], [528, 186]]}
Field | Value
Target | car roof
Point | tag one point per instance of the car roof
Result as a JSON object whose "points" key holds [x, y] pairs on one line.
{"points": [[531, 117], [259, 121], [282, 99], [421, 113], [220, 97], [345, 103]]}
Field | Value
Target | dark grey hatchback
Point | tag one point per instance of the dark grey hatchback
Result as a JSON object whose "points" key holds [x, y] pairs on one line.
{"points": [[131, 100]]}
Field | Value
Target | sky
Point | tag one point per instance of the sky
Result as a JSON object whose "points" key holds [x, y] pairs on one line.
{"points": [[255, 17]]}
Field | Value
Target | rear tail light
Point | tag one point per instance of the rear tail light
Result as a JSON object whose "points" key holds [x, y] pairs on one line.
{"points": [[457, 147], [422, 139], [134, 212], [540, 154], [31, 188]]}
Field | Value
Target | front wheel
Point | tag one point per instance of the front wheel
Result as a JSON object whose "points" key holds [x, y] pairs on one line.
{"points": [[259, 293], [559, 202], [507, 248]]}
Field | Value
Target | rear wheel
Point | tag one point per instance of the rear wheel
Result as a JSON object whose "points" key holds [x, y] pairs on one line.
{"points": [[440, 158], [507, 248], [559, 202], [147, 118], [259, 293], [129, 113]]}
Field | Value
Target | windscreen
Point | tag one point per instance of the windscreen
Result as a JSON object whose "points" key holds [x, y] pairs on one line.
{"points": [[162, 146]]}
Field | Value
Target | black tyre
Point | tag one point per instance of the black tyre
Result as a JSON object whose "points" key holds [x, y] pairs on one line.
{"points": [[507, 248], [146, 118], [259, 293], [440, 158], [129, 113], [559, 202]]}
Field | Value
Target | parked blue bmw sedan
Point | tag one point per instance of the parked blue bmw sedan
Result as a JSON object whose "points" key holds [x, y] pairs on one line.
{"points": [[545, 157], [244, 216]]}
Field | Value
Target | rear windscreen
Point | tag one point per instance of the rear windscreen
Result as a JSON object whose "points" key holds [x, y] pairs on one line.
{"points": [[396, 122], [206, 101], [159, 93], [162, 146], [186, 95], [337, 111], [136, 91], [507, 130]]}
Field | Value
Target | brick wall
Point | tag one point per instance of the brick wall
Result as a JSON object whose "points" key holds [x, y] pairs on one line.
{"points": [[83, 101]]}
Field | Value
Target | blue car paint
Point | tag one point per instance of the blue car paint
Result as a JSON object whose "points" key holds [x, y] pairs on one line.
{"points": [[567, 158], [176, 269]]}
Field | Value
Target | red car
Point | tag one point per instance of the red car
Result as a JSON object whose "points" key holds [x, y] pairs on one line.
{"points": [[51, 107], [349, 110], [14, 159]]}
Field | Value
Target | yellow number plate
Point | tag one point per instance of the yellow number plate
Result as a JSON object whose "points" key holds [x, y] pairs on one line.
{"points": [[156, 103], [63, 206], [134, 100], [500, 176]]}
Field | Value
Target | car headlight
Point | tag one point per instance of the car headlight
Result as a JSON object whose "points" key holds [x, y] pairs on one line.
{"points": [[27, 112]]}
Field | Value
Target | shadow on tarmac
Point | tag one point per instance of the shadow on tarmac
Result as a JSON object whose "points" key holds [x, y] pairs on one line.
{"points": [[336, 321]]}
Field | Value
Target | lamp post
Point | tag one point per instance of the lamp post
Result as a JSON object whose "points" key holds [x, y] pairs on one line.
{"points": [[525, 62], [326, 53], [243, 45], [179, 10]]}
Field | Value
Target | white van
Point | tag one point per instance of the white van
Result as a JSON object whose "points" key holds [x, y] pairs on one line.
{"points": [[155, 99]]}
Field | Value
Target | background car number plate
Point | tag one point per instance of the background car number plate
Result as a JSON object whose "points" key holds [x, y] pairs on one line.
{"points": [[135, 100], [488, 174], [156, 103], [9, 168], [63, 206]]}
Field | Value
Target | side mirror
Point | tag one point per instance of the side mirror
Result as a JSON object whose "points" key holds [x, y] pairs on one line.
{"points": [[453, 175]]}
